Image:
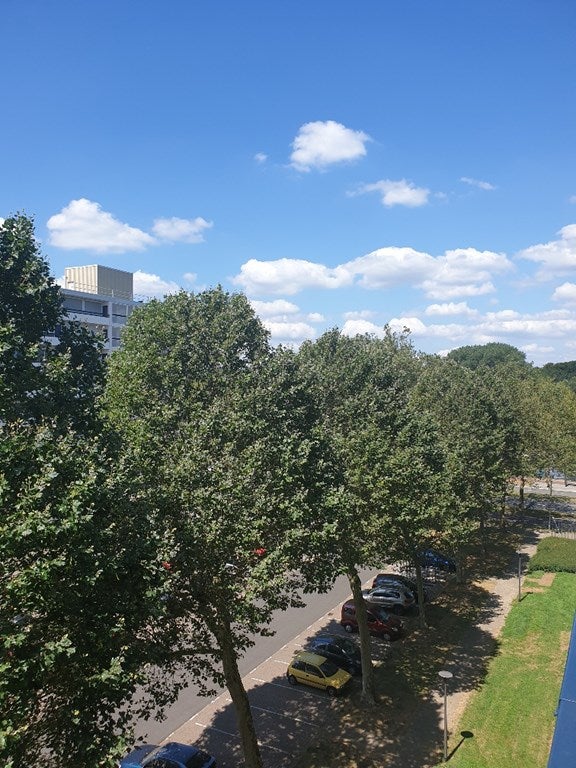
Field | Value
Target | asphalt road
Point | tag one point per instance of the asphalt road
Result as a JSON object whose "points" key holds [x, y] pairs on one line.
{"points": [[287, 624]]}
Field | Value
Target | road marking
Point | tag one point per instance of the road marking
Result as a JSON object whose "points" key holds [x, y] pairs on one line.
{"points": [[288, 717]]}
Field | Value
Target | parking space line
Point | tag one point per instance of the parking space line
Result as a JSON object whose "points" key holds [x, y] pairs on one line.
{"points": [[288, 717], [213, 728]]}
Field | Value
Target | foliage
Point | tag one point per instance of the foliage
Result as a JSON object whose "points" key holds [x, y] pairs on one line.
{"points": [[74, 569], [565, 372], [219, 446], [39, 380], [361, 385], [489, 355], [479, 430], [76, 579], [554, 554]]}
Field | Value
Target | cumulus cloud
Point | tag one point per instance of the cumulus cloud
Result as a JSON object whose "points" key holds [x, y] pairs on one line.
{"points": [[288, 276], [464, 272], [476, 183], [181, 230], [260, 157], [390, 266], [152, 286], [315, 317], [82, 224], [556, 257], [457, 273], [361, 327], [451, 308], [321, 144], [393, 193], [274, 309], [565, 293]]}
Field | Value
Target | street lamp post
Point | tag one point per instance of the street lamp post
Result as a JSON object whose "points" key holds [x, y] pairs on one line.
{"points": [[519, 576], [445, 676]]}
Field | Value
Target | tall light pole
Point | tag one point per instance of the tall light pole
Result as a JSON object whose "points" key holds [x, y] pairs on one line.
{"points": [[519, 576], [445, 676]]}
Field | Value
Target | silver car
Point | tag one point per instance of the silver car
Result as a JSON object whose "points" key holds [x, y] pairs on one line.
{"points": [[394, 598]]}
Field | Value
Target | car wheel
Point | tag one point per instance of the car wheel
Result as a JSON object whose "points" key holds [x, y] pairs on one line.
{"points": [[331, 691], [292, 680], [349, 628]]}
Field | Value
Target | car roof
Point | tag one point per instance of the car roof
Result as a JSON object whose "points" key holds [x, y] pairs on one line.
{"points": [[309, 658]]}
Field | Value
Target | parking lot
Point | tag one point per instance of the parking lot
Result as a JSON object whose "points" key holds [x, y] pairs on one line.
{"points": [[286, 717]]}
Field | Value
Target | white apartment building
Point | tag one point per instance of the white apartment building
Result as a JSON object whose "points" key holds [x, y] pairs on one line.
{"points": [[101, 299]]}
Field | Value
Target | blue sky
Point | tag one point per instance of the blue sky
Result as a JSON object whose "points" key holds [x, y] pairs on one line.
{"points": [[410, 162]]}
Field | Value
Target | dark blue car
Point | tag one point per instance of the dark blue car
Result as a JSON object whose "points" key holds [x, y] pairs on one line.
{"points": [[171, 755], [430, 558]]}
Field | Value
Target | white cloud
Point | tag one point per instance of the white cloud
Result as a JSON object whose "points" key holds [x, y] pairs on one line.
{"points": [[289, 333], [476, 183], [360, 327], [260, 157], [556, 257], [458, 273], [190, 277], [361, 314], [414, 325], [315, 317], [153, 286], [289, 276], [464, 272], [320, 144], [274, 309], [181, 230], [572, 199], [461, 308], [565, 293], [83, 224], [393, 193]]}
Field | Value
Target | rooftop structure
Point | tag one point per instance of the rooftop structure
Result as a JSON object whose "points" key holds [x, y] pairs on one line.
{"points": [[101, 299]]}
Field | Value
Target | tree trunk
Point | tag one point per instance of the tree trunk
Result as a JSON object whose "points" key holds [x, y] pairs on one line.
{"points": [[239, 696], [368, 687], [521, 493], [420, 588]]}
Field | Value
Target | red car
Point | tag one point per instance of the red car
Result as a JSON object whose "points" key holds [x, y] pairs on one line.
{"points": [[380, 622]]}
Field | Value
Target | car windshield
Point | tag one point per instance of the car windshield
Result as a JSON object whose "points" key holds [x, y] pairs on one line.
{"points": [[328, 668], [347, 646]]}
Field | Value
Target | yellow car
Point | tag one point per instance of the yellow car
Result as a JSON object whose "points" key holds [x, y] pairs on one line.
{"points": [[317, 671]]}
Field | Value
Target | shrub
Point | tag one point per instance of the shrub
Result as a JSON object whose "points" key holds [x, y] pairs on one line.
{"points": [[554, 554]]}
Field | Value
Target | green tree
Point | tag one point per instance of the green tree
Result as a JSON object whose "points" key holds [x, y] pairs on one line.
{"points": [[77, 569], [479, 430], [361, 385], [489, 355], [219, 443]]}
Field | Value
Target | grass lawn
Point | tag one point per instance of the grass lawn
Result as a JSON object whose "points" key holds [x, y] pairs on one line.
{"points": [[515, 680], [511, 717]]}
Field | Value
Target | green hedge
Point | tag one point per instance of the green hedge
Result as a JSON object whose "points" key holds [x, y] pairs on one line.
{"points": [[554, 554]]}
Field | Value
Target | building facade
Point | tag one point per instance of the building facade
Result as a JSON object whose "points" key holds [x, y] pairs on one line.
{"points": [[101, 299]]}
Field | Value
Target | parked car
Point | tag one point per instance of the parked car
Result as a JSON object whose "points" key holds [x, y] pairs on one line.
{"points": [[397, 599], [431, 558], [317, 671], [380, 622], [171, 755], [341, 650], [396, 579]]}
